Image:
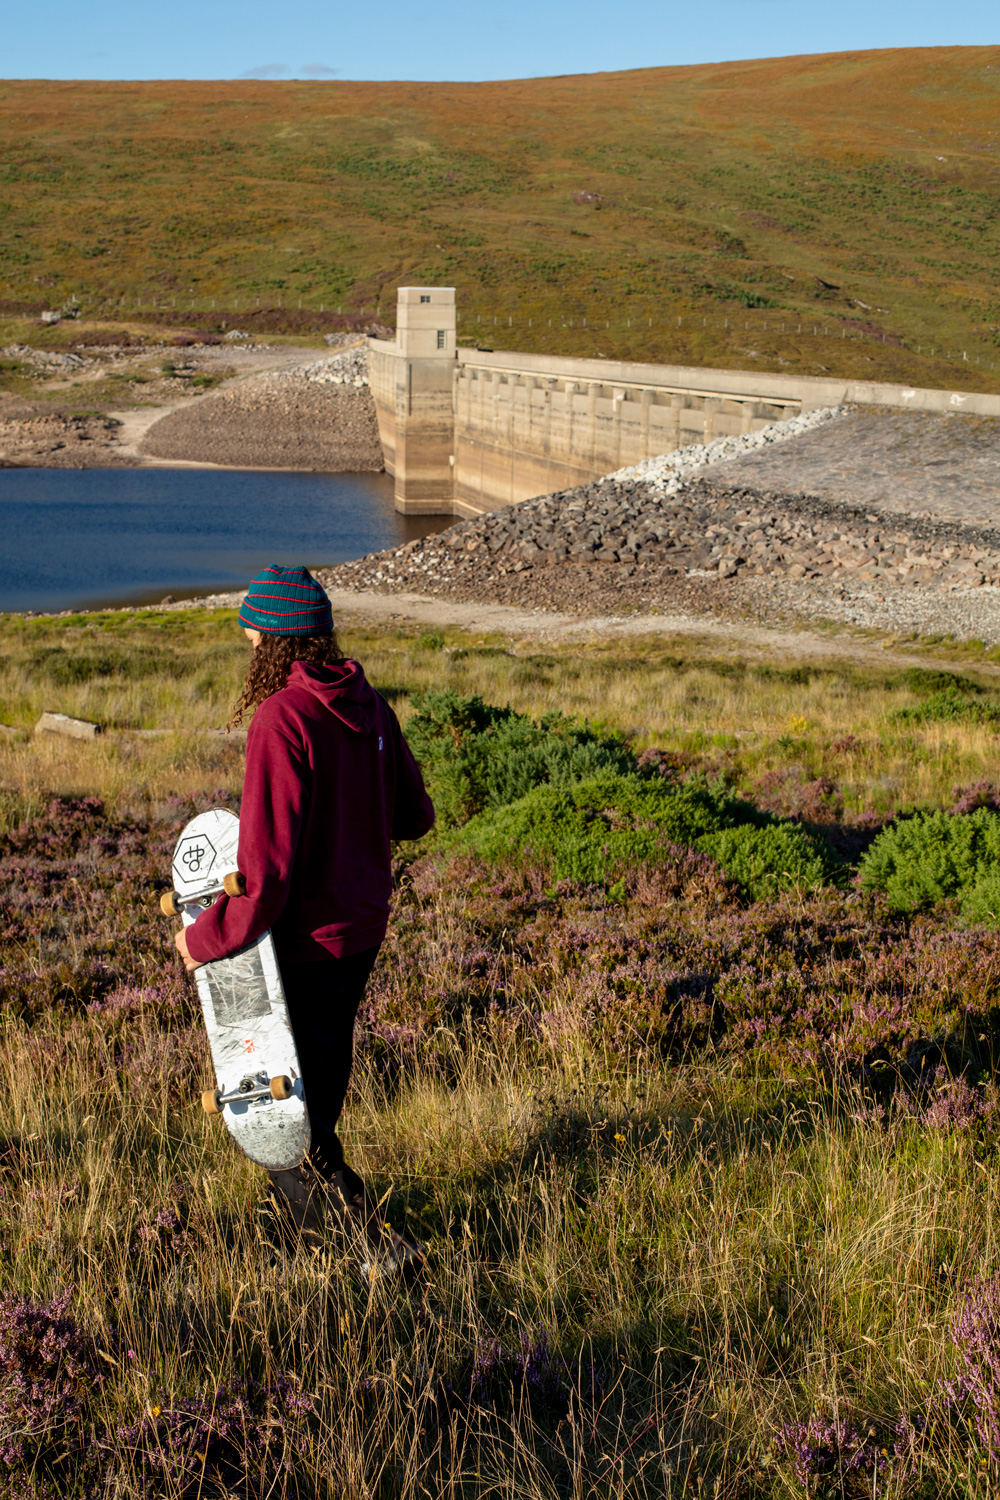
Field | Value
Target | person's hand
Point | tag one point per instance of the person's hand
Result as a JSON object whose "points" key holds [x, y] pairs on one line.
{"points": [[181, 944]]}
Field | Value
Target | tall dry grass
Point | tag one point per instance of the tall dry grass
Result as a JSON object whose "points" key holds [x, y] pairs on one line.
{"points": [[726, 1254]]}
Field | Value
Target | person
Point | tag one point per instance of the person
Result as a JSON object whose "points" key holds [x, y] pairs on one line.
{"points": [[330, 782]]}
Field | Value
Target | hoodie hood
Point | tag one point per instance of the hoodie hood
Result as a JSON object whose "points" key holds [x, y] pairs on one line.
{"points": [[342, 688]]}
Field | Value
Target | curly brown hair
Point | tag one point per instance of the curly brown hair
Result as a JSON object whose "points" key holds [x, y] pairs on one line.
{"points": [[272, 661]]}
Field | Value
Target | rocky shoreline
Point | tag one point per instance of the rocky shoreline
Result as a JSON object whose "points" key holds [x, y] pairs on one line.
{"points": [[33, 436], [313, 414], [652, 539]]}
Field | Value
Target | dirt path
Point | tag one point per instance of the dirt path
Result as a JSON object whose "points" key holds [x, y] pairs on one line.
{"points": [[733, 635], [135, 423], [753, 642]]}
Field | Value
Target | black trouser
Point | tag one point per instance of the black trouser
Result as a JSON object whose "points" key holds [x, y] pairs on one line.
{"points": [[323, 999]]}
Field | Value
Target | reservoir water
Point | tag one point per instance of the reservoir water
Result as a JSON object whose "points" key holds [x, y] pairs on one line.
{"points": [[85, 537]]}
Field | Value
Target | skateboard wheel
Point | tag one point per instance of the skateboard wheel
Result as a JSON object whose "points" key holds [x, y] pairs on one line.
{"points": [[281, 1087], [169, 904], [210, 1102], [235, 884]]}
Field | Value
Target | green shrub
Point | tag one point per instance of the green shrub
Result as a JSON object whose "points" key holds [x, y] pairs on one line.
{"points": [[767, 860], [981, 902], [950, 705], [69, 668], [600, 828], [927, 680], [936, 857], [477, 756], [430, 640]]}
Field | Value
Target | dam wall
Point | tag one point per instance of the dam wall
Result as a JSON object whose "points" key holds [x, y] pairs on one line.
{"points": [[469, 430], [526, 425]]}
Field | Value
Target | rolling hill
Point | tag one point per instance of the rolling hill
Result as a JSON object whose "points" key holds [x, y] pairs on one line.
{"points": [[716, 214]]}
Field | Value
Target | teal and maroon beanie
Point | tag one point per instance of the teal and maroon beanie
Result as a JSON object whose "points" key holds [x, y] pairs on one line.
{"points": [[286, 601]]}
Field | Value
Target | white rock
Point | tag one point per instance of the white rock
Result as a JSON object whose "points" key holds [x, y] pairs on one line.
{"points": [[668, 472]]}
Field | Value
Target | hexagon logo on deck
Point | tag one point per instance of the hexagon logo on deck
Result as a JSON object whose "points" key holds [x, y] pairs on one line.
{"points": [[194, 859]]}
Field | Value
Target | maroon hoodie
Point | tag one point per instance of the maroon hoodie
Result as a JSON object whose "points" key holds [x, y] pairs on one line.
{"points": [[329, 782]]}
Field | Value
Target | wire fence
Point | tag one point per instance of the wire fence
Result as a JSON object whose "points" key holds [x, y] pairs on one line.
{"points": [[139, 302], [773, 326], [761, 323]]}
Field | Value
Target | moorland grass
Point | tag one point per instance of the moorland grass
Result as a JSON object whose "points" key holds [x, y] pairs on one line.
{"points": [[755, 202], [691, 1171], [784, 724]]}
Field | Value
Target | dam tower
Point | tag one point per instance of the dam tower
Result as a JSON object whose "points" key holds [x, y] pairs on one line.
{"points": [[416, 383]]}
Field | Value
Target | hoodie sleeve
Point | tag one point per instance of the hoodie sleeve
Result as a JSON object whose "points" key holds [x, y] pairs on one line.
{"points": [[413, 813], [275, 800]]}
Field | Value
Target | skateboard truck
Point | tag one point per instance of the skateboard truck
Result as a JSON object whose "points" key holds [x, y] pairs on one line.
{"points": [[250, 1090], [172, 903]]}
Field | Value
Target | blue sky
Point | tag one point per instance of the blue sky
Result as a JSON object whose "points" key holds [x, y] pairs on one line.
{"points": [[442, 39]]}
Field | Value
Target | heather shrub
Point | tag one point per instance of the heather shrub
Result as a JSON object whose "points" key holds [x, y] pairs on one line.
{"points": [[978, 794], [828, 1456], [787, 793], [475, 755], [667, 961], [936, 857], [54, 1437], [974, 1390], [80, 878], [600, 829], [953, 1105], [241, 1438], [50, 1374]]}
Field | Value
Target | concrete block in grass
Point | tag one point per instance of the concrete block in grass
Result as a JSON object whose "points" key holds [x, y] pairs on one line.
{"points": [[75, 729]]}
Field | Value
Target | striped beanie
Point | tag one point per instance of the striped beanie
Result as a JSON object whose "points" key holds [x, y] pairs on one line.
{"points": [[286, 601]]}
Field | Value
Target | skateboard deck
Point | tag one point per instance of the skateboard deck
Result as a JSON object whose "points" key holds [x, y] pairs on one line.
{"points": [[258, 1089]]}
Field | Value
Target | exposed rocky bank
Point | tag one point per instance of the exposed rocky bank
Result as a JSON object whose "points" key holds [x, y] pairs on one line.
{"points": [[318, 415], [664, 536], [36, 436], [285, 412]]}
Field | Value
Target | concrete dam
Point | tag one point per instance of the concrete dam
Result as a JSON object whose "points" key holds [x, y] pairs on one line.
{"points": [[466, 431]]}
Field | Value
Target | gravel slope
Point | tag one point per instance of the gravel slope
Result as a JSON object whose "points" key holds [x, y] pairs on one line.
{"points": [[318, 415]]}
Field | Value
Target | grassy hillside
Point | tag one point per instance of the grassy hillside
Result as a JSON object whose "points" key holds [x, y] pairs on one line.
{"points": [[853, 194], [708, 1184]]}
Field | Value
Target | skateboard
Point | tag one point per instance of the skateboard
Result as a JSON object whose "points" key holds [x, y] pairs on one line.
{"points": [[259, 1091]]}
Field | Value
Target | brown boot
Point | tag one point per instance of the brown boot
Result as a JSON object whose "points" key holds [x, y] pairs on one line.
{"points": [[383, 1251], [296, 1195]]}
